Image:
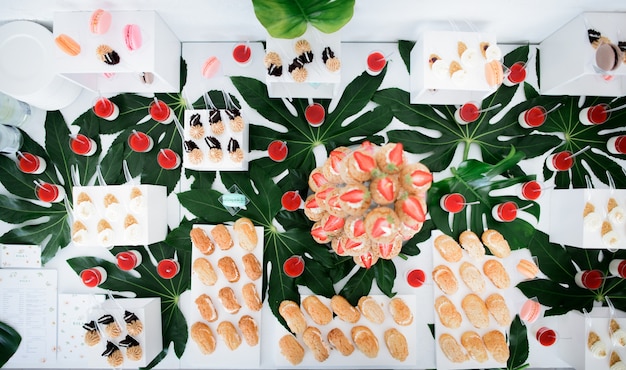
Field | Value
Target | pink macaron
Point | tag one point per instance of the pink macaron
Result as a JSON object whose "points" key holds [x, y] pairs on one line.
{"points": [[530, 311], [210, 67], [132, 37], [100, 21]]}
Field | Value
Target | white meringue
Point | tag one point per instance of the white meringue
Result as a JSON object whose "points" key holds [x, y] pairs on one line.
{"points": [[470, 58], [85, 209], [592, 221], [440, 69], [105, 237], [493, 52], [114, 212], [460, 77], [132, 233], [598, 349], [80, 236], [137, 204], [619, 337], [610, 239], [616, 216], [618, 366]]}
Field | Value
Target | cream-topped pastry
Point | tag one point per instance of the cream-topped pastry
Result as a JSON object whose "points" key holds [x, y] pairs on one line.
{"points": [[84, 206], [79, 232], [105, 233], [137, 203], [459, 77], [615, 363], [596, 346], [609, 237], [470, 58], [132, 229], [592, 221], [616, 213], [440, 69], [493, 52]]}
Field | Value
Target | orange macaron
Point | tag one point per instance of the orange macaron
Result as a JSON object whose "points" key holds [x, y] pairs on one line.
{"points": [[494, 73], [67, 45]]}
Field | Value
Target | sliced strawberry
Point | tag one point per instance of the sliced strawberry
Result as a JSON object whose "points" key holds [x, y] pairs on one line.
{"points": [[351, 244], [320, 234], [381, 227], [336, 156], [385, 249], [333, 202], [323, 194], [366, 163], [333, 223], [367, 259], [359, 228], [319, 179], [395, 154], [353, 196], [413, 207], [312, 203], [340, 247], [421, 178], [386, 188]]}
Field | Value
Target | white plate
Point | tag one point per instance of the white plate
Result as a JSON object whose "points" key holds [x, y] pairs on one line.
{"points": [[27, 67]]}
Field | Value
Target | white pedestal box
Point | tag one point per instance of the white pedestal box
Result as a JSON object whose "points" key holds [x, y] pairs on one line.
{"points": [[430, 85], [568, 58], [137, 215], [159, 53], [569, 227], [320, 82]]}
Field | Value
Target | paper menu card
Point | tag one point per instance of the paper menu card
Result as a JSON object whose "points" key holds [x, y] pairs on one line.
{"points": [[12, 256], [28, 303], [74, 311]]}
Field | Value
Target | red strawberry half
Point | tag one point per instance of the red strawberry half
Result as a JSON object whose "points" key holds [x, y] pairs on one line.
{"points": [[319, 179], [312, 203], [323, 194], [395, 155], [381, 227], [351, 244], [353, 196], [333, 223], [359, 228], [366, 163], [421, 178], [413, 208], [386, 188], [320, 234], [333, 202], [336, 156], [385, 249], [367, 259]]}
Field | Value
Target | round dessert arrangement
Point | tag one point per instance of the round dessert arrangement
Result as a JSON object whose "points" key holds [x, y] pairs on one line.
{"points": [[367, 201], [226, 289]]}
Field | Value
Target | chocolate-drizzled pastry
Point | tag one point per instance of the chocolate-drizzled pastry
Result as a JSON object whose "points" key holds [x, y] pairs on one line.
{"points": [[108, 55], [133, 324], [196, 129], [92, 336], [330, 61], [133, 349], [193, 151], [111, 328], [215, 121], [236, 122], [113, 354], [236, 154], [295, 64], [274, 64], [593, 35], [215, 148], [303, 50], [297, 70]]}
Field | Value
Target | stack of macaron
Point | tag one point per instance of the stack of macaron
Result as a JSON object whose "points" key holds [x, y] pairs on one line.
{"points": [[99, 24], [366, 202]]}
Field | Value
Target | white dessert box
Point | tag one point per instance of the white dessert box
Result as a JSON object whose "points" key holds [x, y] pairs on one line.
{"points": [[429, 87], [567, 58], [149, 212], [159, 53], [566, 217], [572, 342], [320, 83]]}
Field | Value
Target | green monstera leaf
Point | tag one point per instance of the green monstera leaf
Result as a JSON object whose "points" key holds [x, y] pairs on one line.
{"points": [[288, 19], [476, 180], [280, 241], [560, 265], [150, 284], [518, 345], [9, 341], [301, 137]]}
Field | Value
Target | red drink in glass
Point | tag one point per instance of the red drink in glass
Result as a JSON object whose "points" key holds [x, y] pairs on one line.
{"points": [[416, 278], [594, 115], [517, 74], [161, 112], [533, 117], [617, 144], [453, 203], [546, 336], [104, 108], [561, 161], [128, 260], [168, 268], [294, 266], [82, 145], [315, 114], [277, 150], [376, 62], [589, 279], [168, 159], [242, 54], [469, 112], [291, 200], [140, 142], [49, 193], [93, 277], [530, 190], [30, 163], [505, 212]]}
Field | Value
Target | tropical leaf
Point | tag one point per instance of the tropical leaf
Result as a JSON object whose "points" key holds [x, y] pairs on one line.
{"points": [[518, 344], [47, 226], [405, 47], [150, 284], [301, 137], [288, 19], [9, 342], [475, 181]]}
